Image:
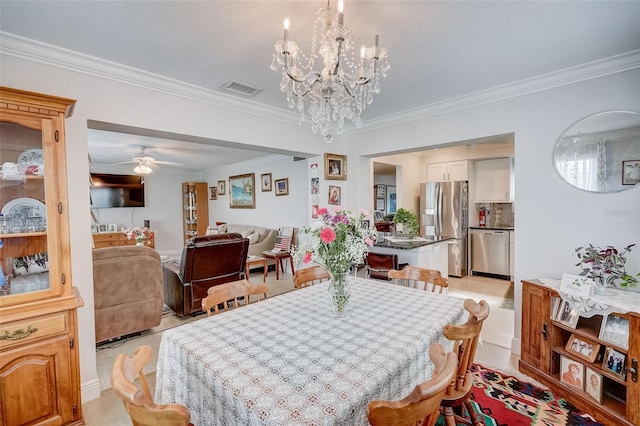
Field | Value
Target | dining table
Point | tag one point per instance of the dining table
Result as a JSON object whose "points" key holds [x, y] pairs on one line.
{"points": [[293, 360]]}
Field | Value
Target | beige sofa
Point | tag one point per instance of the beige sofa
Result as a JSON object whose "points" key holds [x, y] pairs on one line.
{"points": [[260, 238], [128, 292]]}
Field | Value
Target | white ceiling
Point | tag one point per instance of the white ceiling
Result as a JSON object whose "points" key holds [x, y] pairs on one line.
{"points": [[438, 50]]}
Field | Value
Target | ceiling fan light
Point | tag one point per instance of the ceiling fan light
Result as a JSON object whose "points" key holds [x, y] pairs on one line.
{"points": [[142, 169]]}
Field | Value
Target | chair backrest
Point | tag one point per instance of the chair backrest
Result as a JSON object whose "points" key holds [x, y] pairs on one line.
{"points": [[466, 341], [309, 276], [428, 279], [138, 401], [423, 403], [212, 259], [378, 265], [222, 294]]}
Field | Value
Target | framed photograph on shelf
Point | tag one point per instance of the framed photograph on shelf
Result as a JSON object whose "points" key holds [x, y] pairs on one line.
{"points": [[614, 362], [213, 192], [242, 191], [555, 304], [112, 227], [378, 216], [571, 372], [265, 182], [380, 205], [282, 186], [94, 229], [630, 172], [335, 167], [381, 191], [221, 187], [582, 347], [102, 228], [566, 315], [335, 195], [615, 330], [593, 384]]}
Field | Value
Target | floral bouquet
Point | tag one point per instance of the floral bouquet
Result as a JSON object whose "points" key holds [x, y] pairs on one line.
{"points": [[606, 265], [139, 233], [338, 241]]}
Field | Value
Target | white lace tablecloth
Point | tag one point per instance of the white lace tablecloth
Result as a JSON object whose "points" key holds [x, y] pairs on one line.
{"points": [[622, 301], [289, 360]]}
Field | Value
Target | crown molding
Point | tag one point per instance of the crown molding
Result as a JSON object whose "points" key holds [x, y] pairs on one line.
{"points": [[612, 65], [20, 47], [35, 51]]}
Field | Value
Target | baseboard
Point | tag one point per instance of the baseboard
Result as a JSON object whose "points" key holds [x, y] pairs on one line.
{"points": [[515, 346], [90, 390]]}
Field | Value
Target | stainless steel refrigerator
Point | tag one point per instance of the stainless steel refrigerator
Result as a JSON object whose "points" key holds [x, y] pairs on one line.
{"points": [[444, 213]]}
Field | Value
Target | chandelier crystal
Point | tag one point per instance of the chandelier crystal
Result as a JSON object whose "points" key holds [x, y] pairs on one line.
{"points": [[348, 79], [142, 168]]}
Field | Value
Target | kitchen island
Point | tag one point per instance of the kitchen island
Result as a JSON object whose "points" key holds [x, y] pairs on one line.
{"points": [[419, 251]]}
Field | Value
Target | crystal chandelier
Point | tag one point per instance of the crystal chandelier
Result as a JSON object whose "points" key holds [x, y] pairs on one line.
{"points": [[142, 168], [345, 85]]}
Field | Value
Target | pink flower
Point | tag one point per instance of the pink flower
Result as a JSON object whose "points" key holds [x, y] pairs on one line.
{"points": [[368, 241], [322, 211], [307, 257], [327, 235]]}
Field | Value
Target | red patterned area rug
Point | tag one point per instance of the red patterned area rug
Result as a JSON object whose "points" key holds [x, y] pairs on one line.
{"points": [[503, 400]]}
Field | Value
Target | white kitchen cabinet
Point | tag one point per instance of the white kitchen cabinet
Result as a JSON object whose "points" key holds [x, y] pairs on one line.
{"points": [[512, 240], [494, 180], [448, 172]]}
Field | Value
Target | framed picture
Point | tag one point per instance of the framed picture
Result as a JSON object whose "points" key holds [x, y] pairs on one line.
{"points": [[221, 187], [593, 384], [112, 227], [242, 191], [615, 330], [314, 211], [334, 195], [213, 192], [365, 224], [380, 204], [94, 229], [614, 362], [335, 167], [378, 216], [282, 186], [566, 315], [555, 304], [630, 172], [265, 182], [381, 191], [315, 185], [571, 372], [102, 227], [583, 348], [391, 199]]}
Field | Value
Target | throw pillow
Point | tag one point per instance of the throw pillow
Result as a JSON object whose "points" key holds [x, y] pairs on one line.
{"points": [[222, 229], [253, 238], [283, 243]]}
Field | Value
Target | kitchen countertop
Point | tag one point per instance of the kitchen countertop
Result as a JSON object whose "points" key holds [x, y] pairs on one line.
{"points": [[494, 228], [409, 243]]}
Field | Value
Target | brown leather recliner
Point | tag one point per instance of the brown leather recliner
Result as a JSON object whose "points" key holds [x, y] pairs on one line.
{"points": [[378, 265], [206, 261]]}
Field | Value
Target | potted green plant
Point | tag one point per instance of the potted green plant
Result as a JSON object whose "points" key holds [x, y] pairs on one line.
{"points": [[606, 266], [408, 221]]}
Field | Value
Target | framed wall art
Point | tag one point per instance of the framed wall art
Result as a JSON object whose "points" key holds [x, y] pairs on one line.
{"points": [[213, 192], [265, 182], [221, 187], [242, 193], [282, 186], [112, 227], [630, 172], [102, 228], [334, 195], [335, 167]]}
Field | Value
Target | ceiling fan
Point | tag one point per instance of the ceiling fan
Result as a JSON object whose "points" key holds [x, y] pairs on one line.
{"points": [[146, 163]]}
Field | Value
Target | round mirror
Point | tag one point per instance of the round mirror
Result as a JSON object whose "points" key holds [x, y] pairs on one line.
{"points": [[601, 153]]}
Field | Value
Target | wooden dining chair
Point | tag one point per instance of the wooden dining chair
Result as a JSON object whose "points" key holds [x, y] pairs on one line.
{"points": [[428, 279], [465, 336], [138, 401], [222, 294], [310, 276], [423, 403]]}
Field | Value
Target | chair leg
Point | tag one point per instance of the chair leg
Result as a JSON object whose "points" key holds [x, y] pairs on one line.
{"points": [[449, 417], [472, 414]]}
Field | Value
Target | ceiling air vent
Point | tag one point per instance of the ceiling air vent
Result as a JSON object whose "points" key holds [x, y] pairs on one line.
{"points": [[241, 88]]}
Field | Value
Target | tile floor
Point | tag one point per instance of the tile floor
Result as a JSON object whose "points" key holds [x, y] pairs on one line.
{"points": [[107, 410]]}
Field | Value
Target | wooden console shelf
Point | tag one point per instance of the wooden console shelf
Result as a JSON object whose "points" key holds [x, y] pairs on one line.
{"points": [[543, 344], [112, 239]]}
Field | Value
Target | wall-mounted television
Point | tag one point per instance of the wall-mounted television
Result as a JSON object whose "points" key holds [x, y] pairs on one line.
{"points": [[109, 190]]}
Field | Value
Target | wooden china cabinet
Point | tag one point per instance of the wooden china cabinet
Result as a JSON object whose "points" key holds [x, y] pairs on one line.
{"points": [[195, 209], [39, 365], [544, 341]]}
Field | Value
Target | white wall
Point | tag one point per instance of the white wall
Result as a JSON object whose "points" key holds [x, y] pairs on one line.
{"points": [[552, 218], [163, 207]]}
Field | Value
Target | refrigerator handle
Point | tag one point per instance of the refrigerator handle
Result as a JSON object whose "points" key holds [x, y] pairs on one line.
{"points": [[438, 209]]}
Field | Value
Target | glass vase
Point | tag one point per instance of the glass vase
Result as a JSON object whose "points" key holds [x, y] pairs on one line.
{"points": [[340, 290]]}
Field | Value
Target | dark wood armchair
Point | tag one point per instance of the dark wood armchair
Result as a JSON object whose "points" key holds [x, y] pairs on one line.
{"points": [[206, 261], [378, 265]]}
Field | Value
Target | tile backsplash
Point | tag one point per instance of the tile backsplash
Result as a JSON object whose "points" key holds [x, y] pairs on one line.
{"points": [[498, 214]]}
